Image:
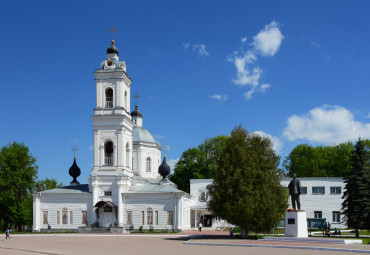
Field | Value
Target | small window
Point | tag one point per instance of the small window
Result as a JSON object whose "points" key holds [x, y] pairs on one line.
{"points": [[335, 190], [148, 164], [318, 190], [169, 218], [142, 218], [84, 217], [108, 209], [71, 218], [108, 193], [303, 190], [108, 153], [45, 218], [317, 214], [65, 217], [58, 217], [149, 215], [336, 217], [156, 217], [109, 98], [129, 217]]}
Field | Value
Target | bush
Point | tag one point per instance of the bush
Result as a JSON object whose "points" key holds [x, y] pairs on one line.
{"points": [[151, 229], [141, 229]]}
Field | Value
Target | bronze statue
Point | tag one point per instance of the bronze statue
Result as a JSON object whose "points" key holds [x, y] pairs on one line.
{"points": [[295, 191]]}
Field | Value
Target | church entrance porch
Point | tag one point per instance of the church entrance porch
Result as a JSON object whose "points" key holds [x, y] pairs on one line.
{"points": [[106, 214]]}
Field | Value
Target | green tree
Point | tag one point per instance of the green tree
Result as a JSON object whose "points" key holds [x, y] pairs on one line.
{"points": [[246, 190], [18, 173], [47, 184], [322, 161], [356, 204], [198, 163]]}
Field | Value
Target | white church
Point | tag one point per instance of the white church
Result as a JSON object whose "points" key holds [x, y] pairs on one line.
{"points": [[127, 186], [128, 189]]}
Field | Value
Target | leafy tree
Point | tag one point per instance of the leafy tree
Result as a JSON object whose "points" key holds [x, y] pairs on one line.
{"points": [[47, 184], [18, 173], [356, 204], [322, 161], [198, 163], [246, 190]]}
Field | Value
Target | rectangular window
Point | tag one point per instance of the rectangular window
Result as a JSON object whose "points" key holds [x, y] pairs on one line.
{"points": [[58, 217], [156, 217], [336, 217], [65, 217], [108, 209], [71, 218], [84, 217], [45, 217], [303, 190], [149, 217], [318, 190], [169, 218], [108, 193], [129, 218], [317, 214], [142, 218], [336, 190]]}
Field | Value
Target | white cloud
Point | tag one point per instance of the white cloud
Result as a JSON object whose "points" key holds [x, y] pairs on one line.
{"points": [[158, 137], [200, 49], [268, 40], [220, 98], [326, 125], [186, 45], [264, 87], [315, 45], [91, 148], [276, 142], [172, 163]]}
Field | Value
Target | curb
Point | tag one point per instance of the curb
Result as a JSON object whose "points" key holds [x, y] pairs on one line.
{"points": [[283, 246]]}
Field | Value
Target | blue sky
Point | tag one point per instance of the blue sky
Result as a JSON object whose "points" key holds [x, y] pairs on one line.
{"points": [[297, 71]]}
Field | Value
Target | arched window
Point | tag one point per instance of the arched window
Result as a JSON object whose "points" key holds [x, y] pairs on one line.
{"points": [[125, 101], [108, 153], [148, 164], [109, 98]]}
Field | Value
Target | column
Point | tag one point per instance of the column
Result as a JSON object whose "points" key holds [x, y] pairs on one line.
{"points": [[120, 205], [36, 212], [96, 147], [95, 198]]}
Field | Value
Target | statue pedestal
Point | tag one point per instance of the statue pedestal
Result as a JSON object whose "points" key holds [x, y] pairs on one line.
{"points": [[296, 224]]}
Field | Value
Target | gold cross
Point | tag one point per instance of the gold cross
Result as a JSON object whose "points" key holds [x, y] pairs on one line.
{"points": [[136, 96], [74, 151], [164, 148], [113, 30]]}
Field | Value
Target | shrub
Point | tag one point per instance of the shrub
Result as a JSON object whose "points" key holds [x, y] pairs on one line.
{"points": [[141, 229]]}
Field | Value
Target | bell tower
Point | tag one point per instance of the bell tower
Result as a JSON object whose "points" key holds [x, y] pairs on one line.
{"points": [[113, 133]]}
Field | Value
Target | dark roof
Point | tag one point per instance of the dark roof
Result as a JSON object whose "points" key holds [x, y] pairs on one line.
{"points": [[164, 168], [112, 49], [80, 188], [136, 112]]}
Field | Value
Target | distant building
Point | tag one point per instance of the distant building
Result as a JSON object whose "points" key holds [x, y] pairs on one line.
{"points": [[321, 198]]}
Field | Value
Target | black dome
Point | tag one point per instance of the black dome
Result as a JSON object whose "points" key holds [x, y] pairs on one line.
{"points": [[136, 112], [112, 49], [164, 169], [74, 171]]}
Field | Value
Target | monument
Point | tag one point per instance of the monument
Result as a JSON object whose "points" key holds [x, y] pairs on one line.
{"points": [[295, 219]]}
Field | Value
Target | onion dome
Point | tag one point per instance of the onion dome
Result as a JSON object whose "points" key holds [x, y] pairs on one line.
{"points": [[164, 169], [74, 171], [112, 49], [136, 112]]}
